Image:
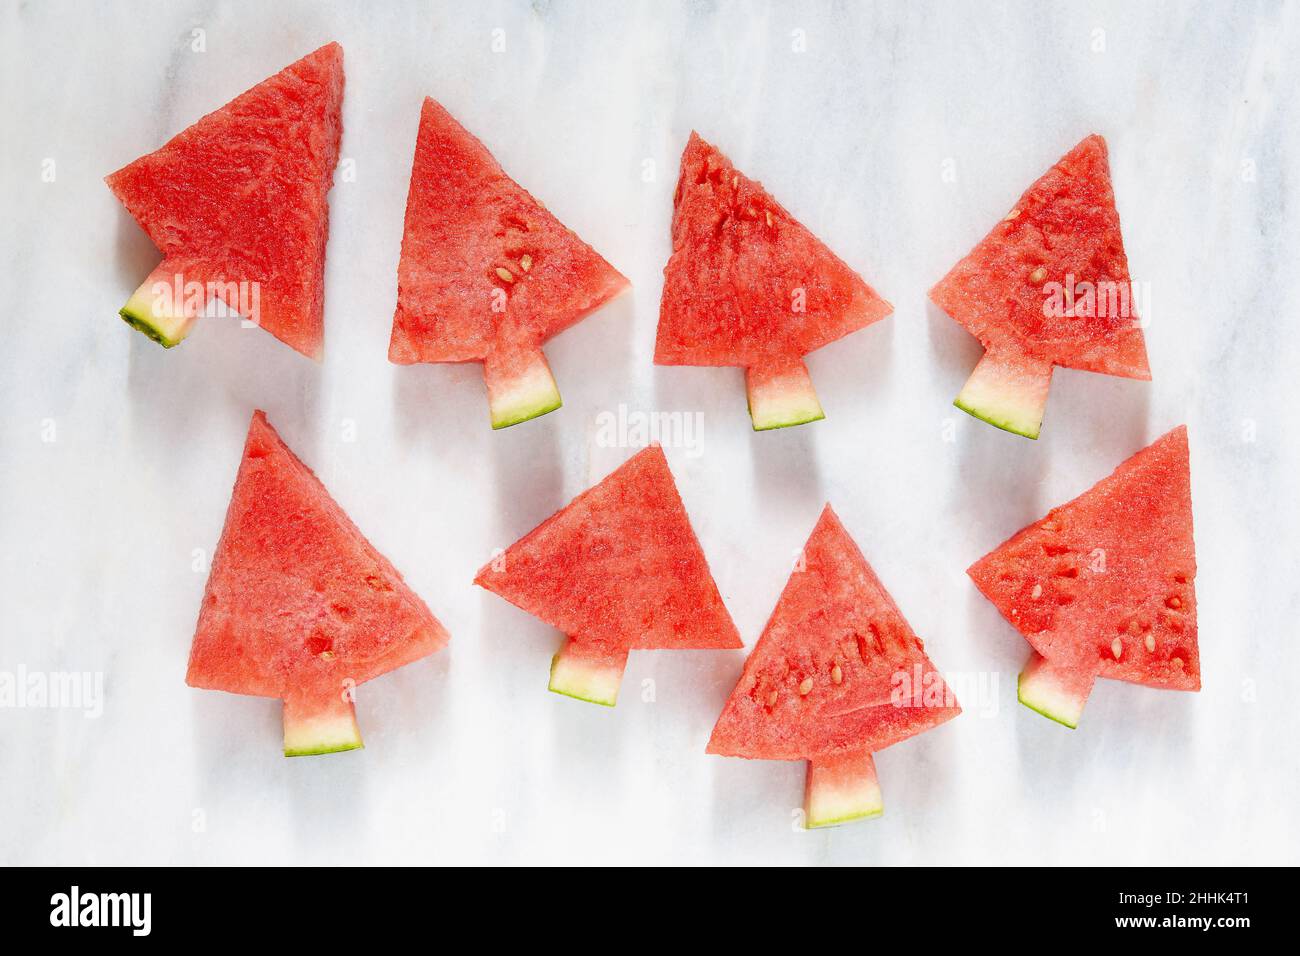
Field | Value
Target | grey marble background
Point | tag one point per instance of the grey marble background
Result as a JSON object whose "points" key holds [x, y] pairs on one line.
{"points": [[898, 132]]}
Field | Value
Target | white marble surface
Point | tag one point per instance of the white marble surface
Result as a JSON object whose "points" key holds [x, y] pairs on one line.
{"points": [[468, 757]]}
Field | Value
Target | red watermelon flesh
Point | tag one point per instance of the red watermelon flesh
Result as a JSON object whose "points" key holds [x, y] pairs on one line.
{"points": [[1104, 586], [487, 274], [617, 569], [1049, 285], [836, 675], [747, 285], [299, 605], [237, 204]]}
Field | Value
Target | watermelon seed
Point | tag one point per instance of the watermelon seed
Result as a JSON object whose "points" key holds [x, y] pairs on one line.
{"points": [[1174, 602], [805, 685], [526, 263], [1038, 275], [327, 655], [768, 213], [1037, 592], [771, 699], [505, 274], [1116, 648], [1150, 642], [837, 675], [735, 182], [1011, 215]]}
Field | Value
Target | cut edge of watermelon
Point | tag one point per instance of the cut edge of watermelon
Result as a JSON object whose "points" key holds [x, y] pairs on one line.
{"points": [[168, 327], [1008, 392], [519, 388], [1057, 692], [588, 674], [314, 725], [781, 396], [841, 789]]}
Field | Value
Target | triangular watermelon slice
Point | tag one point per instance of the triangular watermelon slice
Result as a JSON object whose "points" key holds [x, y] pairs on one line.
{"points": [[836, 676], [299, 605], [747, 285], [1049, 285], [487, 274], [1104, 586], [237, 204], [617, 569]]}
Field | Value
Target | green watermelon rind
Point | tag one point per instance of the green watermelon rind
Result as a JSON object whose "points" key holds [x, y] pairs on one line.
{"points": [[1004, 422], [867, 813], [848, 818], [525, 411], [800, 409], [316, 750], [795, 416]]}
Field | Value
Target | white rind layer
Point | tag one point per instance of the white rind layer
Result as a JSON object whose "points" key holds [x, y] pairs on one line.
{"points": [[532, 394], [167, 327], [1046, 691], [328, 733], [782, 400], [1010, 395], [841, 794], [586, 679]]}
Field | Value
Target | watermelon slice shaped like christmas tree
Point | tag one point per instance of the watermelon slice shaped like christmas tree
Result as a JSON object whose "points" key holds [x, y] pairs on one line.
{"points": [[1104, 586], [747, 285], [1048, 286], [237, 205], [617, 569], [487, 274], [299, 605], [836, 676]]}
